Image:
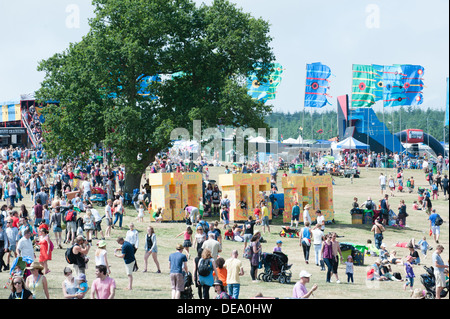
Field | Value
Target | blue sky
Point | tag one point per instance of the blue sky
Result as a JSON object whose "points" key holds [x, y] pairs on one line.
{"points": [[337, 33]]}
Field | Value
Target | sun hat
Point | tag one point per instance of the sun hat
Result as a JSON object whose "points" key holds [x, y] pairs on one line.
{"points": [[81, 277], [101, 244], [35, 265], [179, 247], [279, 241], [304, 274]]}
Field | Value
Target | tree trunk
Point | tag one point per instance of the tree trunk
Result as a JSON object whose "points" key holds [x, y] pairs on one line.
{"points": [[133, 181]]}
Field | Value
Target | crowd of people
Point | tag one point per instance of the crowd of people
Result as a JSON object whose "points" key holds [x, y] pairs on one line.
{"points": [[61, 195]]}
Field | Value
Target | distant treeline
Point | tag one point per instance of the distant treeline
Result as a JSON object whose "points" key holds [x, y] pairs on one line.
{"points": [[323, 125]]}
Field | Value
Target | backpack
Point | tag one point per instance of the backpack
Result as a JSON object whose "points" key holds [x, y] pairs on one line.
{"points": [[248, 252], [204, 269], [438, 221], [369, 205], [70, 258], [70, 217]]}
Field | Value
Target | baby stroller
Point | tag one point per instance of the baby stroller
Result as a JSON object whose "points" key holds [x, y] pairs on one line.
{"points": [[187, 293], [429, 282], [276, 267], [289, 232]]}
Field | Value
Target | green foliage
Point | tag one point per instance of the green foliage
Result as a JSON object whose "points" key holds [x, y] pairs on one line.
{"points": [[97, 79]]}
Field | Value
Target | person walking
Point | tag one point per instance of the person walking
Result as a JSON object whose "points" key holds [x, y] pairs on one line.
{"points": [[132, 236], [127, 253], [234, 271], [378, 230], [305, 241], [295, 214], [255, 256], [151, 248], [318, 237], [326, 253], [337, 255], [177, 263]]}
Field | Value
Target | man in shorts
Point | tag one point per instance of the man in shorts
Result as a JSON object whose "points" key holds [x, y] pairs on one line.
{"points": [[435, 229], [439, 268], [265, 217], [177, 263], [128, 254]]}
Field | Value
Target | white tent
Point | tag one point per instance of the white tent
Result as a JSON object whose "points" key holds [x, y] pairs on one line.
{"points": [[291, 140], [351, 144], [258, 139]]}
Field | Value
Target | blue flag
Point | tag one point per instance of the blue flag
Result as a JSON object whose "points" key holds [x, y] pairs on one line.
{"points": [[317, 85]]}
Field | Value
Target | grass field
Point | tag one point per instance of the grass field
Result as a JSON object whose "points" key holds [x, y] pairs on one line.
{"points": [[151, 285]]}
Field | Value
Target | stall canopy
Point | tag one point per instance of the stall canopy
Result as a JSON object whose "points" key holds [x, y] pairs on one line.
{"points": [[351, 144]]}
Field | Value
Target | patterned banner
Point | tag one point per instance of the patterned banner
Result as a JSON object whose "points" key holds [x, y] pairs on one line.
{"points": [[363, 86], [317, 84], [265, 89]]}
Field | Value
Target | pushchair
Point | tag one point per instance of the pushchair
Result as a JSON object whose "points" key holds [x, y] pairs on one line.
{"points": [[289, 232], [276, 267], [429, 282], [187, 293]]}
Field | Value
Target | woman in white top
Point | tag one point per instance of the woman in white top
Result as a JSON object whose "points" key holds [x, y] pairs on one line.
{"points": [[108, 217], [101, 255]]}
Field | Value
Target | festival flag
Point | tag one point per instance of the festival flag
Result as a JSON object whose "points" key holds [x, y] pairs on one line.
{"points": [[363, 86], [317, 84], [413, 83], [389, 85], [266, 88]]}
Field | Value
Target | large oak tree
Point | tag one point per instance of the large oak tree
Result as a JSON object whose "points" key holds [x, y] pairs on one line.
{"points": [[97, 80]]}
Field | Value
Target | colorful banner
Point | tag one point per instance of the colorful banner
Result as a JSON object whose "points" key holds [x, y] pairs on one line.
{"points": [[265, 89], [363, 86], [389, 85], [413, 84], [11, 112], [317, 84]]}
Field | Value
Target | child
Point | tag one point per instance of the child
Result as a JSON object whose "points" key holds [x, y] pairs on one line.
{"points": [[277, 248], [415, 206], [229, 235], [140, 216], [82, 284], [187, 239], [409, 273], [424, 246], [46, 214], [349, 268], [257, 213], [434, 188], [221, 271]]}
